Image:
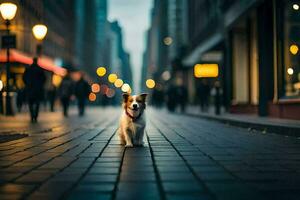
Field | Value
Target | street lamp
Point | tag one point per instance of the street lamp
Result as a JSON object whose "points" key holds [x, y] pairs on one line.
{"points": [[8, 12], [39, 32]]}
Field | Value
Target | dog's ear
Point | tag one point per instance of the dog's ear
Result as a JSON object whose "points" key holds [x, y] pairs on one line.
{"points": [[125, 97], [143, 96]]}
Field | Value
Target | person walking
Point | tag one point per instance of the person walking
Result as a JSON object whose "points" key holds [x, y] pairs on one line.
{"points": [[204, 95], [182, 97], [82, 90], [65, 93], [34, 79], [51, 96]]}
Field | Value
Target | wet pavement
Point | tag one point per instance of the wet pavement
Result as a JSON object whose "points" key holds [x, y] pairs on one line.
{"points": [[183, 158]]}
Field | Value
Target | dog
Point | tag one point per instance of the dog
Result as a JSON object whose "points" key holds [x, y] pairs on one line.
{"points": [[132, 121]]}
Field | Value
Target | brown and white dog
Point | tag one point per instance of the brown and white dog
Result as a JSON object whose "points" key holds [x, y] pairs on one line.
{"points": [[132, 121]]}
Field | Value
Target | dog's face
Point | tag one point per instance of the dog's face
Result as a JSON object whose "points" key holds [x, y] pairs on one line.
{"points": [[135, 103]]}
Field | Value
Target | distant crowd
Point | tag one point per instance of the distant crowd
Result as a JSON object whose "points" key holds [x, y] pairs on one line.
{"points": [[175, 96], [34, 92]]}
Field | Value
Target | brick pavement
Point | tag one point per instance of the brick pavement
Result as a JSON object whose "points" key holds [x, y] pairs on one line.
{"points": [[183, 158]]}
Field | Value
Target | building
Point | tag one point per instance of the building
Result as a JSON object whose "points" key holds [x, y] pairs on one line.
{"points": [[254, 42], [91, 29], [156, 59], [120, 59], [56, 47], [256, 46]]}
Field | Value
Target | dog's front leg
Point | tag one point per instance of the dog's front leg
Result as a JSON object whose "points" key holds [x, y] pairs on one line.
{"points": [[128, 138], [140, 138]]}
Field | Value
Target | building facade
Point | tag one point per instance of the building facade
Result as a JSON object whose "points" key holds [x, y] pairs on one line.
{"points": [[91, 29], [254, 42]]}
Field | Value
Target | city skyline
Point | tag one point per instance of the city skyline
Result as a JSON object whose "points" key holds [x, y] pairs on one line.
{"points": [[134, 29]]}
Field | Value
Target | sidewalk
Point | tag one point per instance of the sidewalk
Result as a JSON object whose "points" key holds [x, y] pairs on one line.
{"points": [[265, 124]]}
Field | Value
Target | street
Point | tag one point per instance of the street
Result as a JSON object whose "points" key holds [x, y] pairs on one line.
{"points": [[183, 158]]}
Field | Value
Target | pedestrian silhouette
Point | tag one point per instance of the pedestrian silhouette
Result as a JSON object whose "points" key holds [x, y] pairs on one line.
{"points": [[34, 79], [65, 92], [82, 90], [171, 98], [51, 96], [181, 95], [204, 95]]}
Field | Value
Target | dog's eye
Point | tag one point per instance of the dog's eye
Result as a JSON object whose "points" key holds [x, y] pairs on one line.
{"points": [[139, 101], [130, 100]]}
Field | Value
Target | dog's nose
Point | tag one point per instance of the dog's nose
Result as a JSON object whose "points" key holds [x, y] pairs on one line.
{"points": [[134, 105]]}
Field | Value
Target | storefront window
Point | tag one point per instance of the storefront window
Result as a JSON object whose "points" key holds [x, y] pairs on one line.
{"points": [[291, 25]]}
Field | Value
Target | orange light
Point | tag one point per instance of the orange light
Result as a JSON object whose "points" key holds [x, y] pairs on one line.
{"points": [[95, 88], [150, 83], [56, 80], [118, 83], [206, 70], [92, 97], [294, 49]]}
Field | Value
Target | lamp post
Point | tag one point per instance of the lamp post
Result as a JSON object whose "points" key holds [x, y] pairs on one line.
{"points": [[39, 32], [8, 12]]}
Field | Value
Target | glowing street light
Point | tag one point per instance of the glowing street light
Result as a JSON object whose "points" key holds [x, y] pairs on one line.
{"points": [[150, 83], [118, 83], [126, 88], [8, 11], [39, 31], [112, 78], [101, 71]]}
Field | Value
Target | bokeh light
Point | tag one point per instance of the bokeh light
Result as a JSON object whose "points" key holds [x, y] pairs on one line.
{"points": [[92, 97], [112, 78], [56, 80], [95, 88], [166, 75], [290, 71], [126, 88], [1, 85], [110, 93], [104, 89], [39, 31], [168, 41], [118, 83], [296, 6], [150, 83], [294, 49], [101, 71]]}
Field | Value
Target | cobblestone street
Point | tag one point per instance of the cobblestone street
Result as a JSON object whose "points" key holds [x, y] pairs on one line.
{"points": [[183, 158]]}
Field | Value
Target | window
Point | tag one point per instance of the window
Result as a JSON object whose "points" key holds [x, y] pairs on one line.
{"points": [[291, 49]]}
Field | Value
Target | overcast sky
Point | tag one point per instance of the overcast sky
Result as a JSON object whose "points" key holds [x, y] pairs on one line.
{"points": [[134, 18]]}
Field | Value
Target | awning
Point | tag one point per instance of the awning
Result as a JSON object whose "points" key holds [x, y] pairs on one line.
{"points": [[20, 57], [195, 56]]}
